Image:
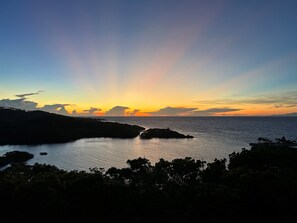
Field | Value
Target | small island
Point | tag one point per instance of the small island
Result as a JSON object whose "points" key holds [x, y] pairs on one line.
{"points": [[163, 133]]}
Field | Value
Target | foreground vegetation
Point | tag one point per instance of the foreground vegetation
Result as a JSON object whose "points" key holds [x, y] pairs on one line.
{"points": [[257, 185]]}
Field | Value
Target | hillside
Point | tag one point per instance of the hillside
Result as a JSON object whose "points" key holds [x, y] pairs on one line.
{"points": [[38, 127]]}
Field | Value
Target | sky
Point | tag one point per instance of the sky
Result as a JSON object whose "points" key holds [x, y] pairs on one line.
{"points": [[149, 57]]}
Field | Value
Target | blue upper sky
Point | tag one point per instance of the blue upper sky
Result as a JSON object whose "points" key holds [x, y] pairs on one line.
{"points": [[148, 55]]}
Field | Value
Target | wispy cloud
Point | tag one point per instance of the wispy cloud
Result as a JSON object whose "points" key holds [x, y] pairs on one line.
{"points": [[29, 94], [284, 99], [213, 111], [182, 111]]}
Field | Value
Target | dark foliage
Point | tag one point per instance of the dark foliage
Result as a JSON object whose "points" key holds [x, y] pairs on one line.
{"points": [[162, 133], [38, 127], [258, 185]]}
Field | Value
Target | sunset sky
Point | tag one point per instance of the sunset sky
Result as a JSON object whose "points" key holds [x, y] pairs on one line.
{"points": [[146, 57]]}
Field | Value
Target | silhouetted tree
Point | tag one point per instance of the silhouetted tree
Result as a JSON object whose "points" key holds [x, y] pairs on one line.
{"points": [[215, 171]]}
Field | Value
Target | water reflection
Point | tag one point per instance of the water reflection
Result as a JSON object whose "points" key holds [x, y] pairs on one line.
{"points": [[214, 138]]}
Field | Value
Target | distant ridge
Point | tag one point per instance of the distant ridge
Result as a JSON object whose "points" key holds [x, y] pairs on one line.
{"points": [[291, 114], [294, 114], [39, 127]]}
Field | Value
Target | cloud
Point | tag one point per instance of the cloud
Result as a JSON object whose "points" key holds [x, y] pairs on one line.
{"points": [[172, 111], [283, 99], [92, 110], [290, 106], [213, 111], [28, 94], [133, 113], [56, 108], [117, 111], [177, 111], [24, 104], [62, 111], [20, 103], [278, 106]]}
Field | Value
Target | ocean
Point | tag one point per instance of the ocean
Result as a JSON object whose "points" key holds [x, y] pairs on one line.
{"points": [[215, 137]]}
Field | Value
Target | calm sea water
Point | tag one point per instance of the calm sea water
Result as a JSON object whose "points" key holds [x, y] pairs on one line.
{"points": [[215, 137]]}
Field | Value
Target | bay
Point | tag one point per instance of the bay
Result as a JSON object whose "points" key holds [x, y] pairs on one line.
{"points": [[215, 137]]}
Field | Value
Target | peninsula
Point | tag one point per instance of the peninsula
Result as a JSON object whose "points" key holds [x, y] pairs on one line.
{"points": [[20, 127]]}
